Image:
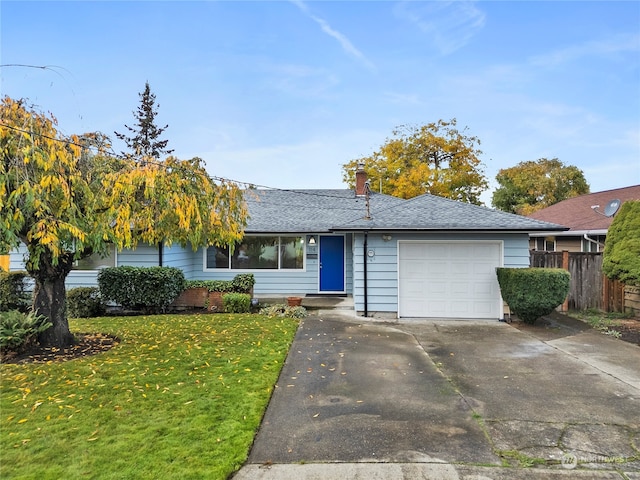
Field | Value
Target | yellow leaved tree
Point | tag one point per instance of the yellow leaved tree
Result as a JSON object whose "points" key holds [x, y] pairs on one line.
{"points": [[66, 199], [435, 158]]}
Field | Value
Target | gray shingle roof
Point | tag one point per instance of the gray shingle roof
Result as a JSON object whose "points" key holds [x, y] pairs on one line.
{"points": [[292, 211]]}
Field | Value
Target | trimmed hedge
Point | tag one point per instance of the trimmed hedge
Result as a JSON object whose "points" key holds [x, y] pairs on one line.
{"points": [[241, 283], [85, 302], [236, 302], [141, 288], [533, 292], [13, 291]]}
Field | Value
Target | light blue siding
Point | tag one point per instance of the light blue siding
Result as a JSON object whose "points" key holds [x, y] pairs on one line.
{"points": [[280, 282], [142, 256], [178, 257], [16, 258], [382, 267]]}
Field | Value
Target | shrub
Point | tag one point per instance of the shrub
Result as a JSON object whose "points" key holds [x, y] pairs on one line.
{"points": [[19, 330], [141, 288], [211, 285], [621, 258], [85, 302], [282, 310], [13, 291], [533, 292], [236, 302], [241, 283]]}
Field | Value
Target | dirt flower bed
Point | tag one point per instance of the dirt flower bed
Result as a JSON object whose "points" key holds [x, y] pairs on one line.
{"points": [[616, 325]]}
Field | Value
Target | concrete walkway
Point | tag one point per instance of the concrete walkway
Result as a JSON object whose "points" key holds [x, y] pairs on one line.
{"points": [[450, 400]]}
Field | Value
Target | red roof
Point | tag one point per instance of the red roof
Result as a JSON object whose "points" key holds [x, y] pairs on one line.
{"points": [[577, 212]]}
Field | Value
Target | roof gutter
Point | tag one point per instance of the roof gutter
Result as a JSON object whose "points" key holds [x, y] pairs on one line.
{"points": [[569, 233], [586, 237]]}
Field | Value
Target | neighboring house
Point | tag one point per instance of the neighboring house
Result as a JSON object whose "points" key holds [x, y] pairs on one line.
{"points": [[586, 219], [423, 257]]}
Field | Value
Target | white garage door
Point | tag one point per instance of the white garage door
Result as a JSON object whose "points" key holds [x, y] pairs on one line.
{"points": [[449, 279]]}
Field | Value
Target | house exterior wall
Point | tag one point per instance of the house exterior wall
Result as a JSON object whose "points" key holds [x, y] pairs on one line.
{"points": [[178, 257], [569, 243], [382, 267], [143, 256], [270, 283], [16, 258]]}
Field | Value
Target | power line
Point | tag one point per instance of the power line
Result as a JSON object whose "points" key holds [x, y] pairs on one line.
{"points": [[249, 185]]}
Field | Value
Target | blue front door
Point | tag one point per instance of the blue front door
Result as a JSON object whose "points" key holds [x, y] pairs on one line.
{"points": [[331, 263]]}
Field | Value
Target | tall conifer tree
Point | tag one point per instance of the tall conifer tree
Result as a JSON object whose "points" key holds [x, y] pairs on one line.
{"points": [[145, 142]]}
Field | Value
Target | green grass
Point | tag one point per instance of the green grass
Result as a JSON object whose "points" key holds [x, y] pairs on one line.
{"points": [[180, 397]]}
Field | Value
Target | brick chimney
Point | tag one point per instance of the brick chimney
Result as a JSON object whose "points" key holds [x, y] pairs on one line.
{"points": [[361, 180]]}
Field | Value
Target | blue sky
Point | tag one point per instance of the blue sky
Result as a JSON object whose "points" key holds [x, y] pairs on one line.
{"points": [[284, 93]]}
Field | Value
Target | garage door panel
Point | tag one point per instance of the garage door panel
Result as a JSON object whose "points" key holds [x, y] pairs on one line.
{"points": [[434, 289], [461, 310], [449, 279], [483, 269], [435, 309], [482, 289], [484, 308], [435, 252], [461, 288], [459, 268], [436, 267]]}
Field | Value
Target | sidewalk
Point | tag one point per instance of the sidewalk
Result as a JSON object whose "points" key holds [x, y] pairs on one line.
{"points": [[449, 399]]}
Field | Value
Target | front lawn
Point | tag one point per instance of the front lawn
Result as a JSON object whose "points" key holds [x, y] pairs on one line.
{"points": [[179, 397]]}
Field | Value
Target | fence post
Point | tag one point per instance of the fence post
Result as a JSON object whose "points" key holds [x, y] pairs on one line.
{"points": [[565, 266]]}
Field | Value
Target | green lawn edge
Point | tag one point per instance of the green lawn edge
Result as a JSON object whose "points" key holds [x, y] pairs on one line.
{"points": [[181, 397]]}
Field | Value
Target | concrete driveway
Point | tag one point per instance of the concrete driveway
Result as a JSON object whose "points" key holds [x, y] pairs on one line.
{"points": [[450, 399]]}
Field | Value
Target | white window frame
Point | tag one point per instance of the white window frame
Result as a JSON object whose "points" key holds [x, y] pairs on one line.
{"points": [[302, 237], [115, 261]]}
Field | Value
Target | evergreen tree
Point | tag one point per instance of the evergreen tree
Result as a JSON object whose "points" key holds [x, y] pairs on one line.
{"points": [[145, 141]]}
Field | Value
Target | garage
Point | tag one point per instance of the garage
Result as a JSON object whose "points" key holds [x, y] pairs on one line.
{"points": [[453, 279]]}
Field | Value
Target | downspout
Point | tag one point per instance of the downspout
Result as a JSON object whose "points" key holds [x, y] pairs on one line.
{"points": [[586, 237], [364, 257], [160, 250]]}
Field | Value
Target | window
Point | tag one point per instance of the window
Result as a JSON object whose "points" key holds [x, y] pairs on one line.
{"points": [[591, 245], [96, 261], [217, 257], [550, 244], [259, 253], [547, 244]]}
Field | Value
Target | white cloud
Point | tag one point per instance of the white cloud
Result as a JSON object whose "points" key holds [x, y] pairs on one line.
{"points": [[609, 48], [342, 39], [450, 25]]}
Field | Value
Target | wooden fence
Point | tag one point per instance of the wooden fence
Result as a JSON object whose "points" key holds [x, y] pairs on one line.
{"points": [[589, 288]]}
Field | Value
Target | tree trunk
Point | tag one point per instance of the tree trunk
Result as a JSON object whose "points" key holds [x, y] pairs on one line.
{"points": [[50, 299]]}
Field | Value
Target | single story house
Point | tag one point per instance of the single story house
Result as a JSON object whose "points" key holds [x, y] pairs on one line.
{"points": [[423, 257], [588, 218]]}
